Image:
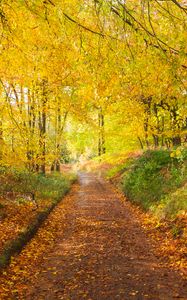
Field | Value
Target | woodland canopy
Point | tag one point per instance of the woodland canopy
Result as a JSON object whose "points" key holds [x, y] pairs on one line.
{"points": [[90, 76]]}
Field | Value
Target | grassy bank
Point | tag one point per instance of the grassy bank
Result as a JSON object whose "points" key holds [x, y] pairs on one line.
{"points": [[26, 199], [156, 181]]}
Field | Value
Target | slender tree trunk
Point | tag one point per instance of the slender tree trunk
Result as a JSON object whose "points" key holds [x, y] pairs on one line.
{"points": [[58, 137], [146, 125], [185, 128], [103, 134], [141, 143], [42, 126], [12, 142], [101, 139], [176, 141], [162, 138], [157, 128], [1, 139], [147, 102], [59, 128], [31, 129], [175, 125], [156, 141]]}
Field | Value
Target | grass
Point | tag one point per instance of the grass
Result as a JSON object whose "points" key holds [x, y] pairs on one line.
{"points": [[119, 169], [152, 176], [155, 181], [37, 186], [172, 205], [26, 200]]}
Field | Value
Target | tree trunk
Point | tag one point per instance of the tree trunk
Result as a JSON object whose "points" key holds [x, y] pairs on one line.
{"points": [[101, 140], [43, 123], [146, 125], [1, 139], [141, 143], [59, 128], [31, 128], [176, 139], [156, 141]]}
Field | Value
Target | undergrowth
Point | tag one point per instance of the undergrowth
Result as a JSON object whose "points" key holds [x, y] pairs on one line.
{"points": [[26, 199], [156, 181], [33, 185], [119, 169]]}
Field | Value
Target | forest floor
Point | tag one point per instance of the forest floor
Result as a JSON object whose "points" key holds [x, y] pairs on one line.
{"points": [[92, 246]]}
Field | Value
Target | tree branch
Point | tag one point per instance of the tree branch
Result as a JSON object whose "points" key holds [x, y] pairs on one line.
{"points": [[82, 26]]}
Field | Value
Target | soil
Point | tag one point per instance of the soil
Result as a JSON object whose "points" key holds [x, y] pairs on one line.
{"points": [[101, 252]]}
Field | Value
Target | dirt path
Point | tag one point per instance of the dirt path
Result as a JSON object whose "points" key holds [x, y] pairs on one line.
{"points": [[100, 253]]}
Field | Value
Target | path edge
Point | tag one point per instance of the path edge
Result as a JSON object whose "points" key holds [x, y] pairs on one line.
{"points": [[16, 245]]}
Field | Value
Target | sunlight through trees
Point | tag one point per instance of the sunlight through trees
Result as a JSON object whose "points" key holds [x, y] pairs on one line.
{"points": [[118, 68]]}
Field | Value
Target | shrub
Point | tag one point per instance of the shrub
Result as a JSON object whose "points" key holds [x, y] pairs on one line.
{"points": [[152, 176], [171, 205]]}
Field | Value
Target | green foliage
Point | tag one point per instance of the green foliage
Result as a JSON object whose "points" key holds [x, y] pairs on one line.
{"points": [[52, 186], [65, 154], [171, 205], [152, 176], [3, 169], [23, 182], [119, 169], [179, 154]]}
